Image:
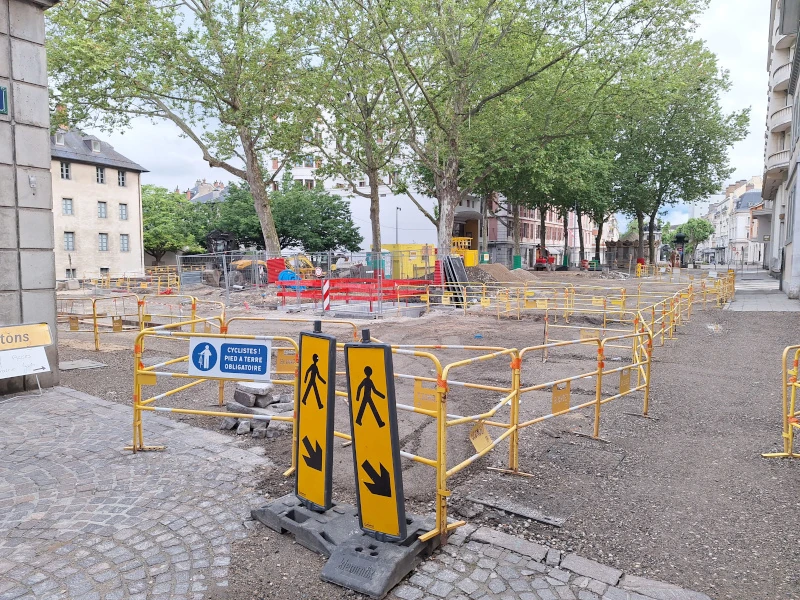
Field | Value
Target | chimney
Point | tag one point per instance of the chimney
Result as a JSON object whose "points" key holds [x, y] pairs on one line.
{"points": [[188, 194]]}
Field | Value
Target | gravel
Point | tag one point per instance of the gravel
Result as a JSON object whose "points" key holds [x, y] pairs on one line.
{"points": [[683, 497]]}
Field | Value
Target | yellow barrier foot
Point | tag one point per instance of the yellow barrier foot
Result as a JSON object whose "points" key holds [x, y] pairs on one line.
{"points": [[510, 472], [640, 415], [591, 437], [146, 448], [289, 471], [780, 455]]}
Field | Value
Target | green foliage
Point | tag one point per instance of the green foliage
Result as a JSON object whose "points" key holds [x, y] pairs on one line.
{"points": [[222, 71], [674, 148], [237, 215], [168, 222], [314, 220], [696, 230]]}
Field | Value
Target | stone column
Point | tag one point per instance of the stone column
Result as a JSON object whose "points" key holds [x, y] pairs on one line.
{"points": [[27, 266]]}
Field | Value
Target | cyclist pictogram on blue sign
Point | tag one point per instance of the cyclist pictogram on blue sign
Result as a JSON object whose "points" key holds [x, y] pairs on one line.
{"points": [[204, 357]]}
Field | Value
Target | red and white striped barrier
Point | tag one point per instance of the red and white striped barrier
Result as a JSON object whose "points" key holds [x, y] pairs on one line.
{"points": [[326, 294]]}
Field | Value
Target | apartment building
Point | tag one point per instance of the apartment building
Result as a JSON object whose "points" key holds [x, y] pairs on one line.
{"points": [[736, 237], [778, 219], [97, 208]]}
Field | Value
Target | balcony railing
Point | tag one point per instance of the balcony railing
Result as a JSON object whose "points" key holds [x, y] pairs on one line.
{"points": [[781, 119], [778, 160], [780, 76]]}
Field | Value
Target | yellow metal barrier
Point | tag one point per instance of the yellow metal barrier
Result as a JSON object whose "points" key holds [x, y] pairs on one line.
{"points": [[103, 314], [143, 376], [791, 411]]}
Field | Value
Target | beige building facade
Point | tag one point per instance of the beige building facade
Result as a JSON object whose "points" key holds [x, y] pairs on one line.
{"points": [[97, 208]]}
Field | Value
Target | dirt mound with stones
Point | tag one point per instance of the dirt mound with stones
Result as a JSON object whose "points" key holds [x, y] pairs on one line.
{"points": [[499, 272]]}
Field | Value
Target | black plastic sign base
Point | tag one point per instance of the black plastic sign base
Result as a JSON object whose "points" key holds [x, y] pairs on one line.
{"points": [[320, 532], [368, 566]]}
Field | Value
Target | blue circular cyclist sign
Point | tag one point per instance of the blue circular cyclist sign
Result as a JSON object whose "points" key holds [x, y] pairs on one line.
{"points": [[204, 357]]}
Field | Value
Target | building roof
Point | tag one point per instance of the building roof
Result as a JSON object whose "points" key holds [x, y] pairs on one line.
{"points": [[747, 200], [212, 196], [78, 148]]}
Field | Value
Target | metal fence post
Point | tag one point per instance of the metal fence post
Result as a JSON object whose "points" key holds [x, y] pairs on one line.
{"points": [[225, 275]]}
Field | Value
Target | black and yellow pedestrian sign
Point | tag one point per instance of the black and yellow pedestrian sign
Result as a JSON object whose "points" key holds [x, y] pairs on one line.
{"points": [[316, 379], [376, 444]]}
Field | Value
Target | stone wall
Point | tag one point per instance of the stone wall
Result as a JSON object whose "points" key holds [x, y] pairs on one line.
{"points": [[27, 269]]}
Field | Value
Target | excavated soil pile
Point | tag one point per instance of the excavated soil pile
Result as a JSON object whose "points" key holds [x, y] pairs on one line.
{"points": [[499, 273]]}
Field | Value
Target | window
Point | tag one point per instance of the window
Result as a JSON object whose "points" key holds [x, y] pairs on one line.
{"points": [[60, 138], [308, 161], [104, 271], [123, 212], [95, 146], [72, 273], [121, 178], [66, 172], [66, 206], [124, 242], [101, 174], [102, 242], [69, 241], [102, 210]]}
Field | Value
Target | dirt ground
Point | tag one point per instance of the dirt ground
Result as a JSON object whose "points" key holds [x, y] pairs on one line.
{"points": [[683, 497]]}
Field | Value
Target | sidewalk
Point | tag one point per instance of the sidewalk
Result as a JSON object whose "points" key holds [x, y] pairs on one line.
{"points": [[756, 291], [487, 564]]}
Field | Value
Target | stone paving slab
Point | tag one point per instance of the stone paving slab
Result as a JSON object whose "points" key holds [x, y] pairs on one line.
{"points": [[484, 564], [80, 518]]}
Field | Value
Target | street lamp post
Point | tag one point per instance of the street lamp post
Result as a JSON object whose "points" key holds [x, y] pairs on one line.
{"points": [[397, 210]]}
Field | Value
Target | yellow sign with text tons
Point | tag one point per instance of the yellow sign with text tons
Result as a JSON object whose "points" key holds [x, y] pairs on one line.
{"points": [[376, 444], [24, 336], [316, 379]]}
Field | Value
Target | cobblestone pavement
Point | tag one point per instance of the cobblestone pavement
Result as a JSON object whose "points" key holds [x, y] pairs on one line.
{"points": [[80, 518], [488, 564]]}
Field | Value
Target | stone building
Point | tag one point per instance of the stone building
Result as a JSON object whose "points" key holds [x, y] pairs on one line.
{"points": [[97, 208], [27, 270]]}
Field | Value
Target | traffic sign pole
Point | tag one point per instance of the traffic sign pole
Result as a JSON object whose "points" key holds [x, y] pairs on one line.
{"points": [[315, 403], [376, 442]]}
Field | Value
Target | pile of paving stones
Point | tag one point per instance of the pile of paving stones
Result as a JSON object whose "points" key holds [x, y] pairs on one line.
{"points": [[259, 399]]}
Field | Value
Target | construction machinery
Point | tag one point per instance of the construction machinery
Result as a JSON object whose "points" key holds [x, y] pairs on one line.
{"points": [[228, 260]]}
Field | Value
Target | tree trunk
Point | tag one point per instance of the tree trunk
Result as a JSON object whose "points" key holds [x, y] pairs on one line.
{"points": [[449, 197], [485, 201], [565, 220], [582, 250], [515, 228], [258, 187], [543, 229], [651, 238], [375, 209], [597, 241], [640, 223]]}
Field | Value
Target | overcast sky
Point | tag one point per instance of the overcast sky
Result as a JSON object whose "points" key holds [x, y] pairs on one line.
{"points": [[736, 31]]}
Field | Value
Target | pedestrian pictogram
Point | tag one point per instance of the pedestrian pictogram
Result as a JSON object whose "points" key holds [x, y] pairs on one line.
{"points": [[364, 395], [316, 379], [310, 380], [376, 444]]}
